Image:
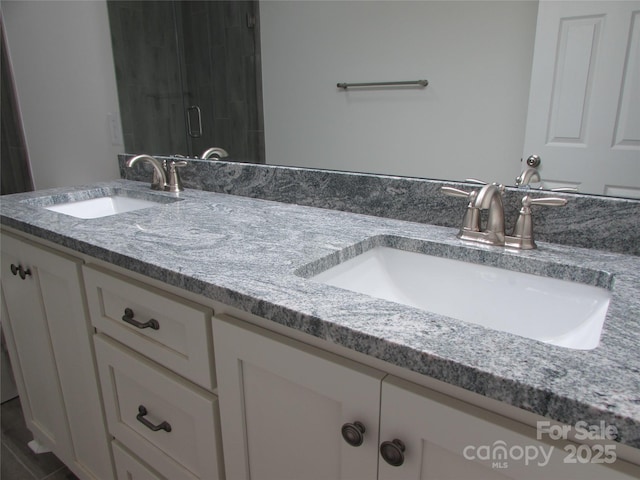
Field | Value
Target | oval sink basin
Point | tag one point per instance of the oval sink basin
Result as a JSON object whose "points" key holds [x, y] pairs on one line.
{"points": [[557, 312], [102, 206]]}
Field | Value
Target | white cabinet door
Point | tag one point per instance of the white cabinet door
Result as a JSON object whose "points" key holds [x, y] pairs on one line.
{"points": [[54, 356], [584, 114], [31, 351], [445, 438], [283, 405]]}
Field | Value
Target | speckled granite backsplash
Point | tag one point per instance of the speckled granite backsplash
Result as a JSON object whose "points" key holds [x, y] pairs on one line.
{"points": [[589, 221]]}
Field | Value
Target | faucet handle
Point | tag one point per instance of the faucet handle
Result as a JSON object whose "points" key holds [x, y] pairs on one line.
{"points": [[471, 219], [174, 183], [455, 192], [565, 190], [546, 201], [475, 180], [522, 237]]}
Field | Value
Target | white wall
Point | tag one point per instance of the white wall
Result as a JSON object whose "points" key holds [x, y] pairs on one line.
{"points": [[66, 87], [469, 121]]}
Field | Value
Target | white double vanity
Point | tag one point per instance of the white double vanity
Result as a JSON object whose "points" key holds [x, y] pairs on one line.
{"points": [[187, 339]]}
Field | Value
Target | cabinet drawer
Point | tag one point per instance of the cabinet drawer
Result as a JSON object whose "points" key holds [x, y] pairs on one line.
{"points": [[130, 467], [155, 413], [179, 336]]}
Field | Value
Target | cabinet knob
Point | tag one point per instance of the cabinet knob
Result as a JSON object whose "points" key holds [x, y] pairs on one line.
{"points": [[142, 412], [20, 270], [128, 317], [24, 273], [353, 433], [393, 452]]}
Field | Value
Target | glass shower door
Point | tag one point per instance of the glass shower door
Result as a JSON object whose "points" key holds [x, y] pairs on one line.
{"points": [[187, 77]]}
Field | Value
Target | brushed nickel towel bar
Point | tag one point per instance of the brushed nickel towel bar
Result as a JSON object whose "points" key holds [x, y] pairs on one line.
{"points": [[418, 83]]}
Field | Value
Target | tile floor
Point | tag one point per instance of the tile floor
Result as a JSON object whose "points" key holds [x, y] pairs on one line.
{"points": [[17, 461]]}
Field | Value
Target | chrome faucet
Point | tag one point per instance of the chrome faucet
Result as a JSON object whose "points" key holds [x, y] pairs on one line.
{"points": [[217, 151], [165, 174], [490, 198]]}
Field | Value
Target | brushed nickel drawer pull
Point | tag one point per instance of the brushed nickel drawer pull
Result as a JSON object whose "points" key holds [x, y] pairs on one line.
{"points": [[142, 411], [128, 317]]}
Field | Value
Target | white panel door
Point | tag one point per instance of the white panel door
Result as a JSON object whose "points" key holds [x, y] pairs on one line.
{"points": [[283, 405], [584, 104]]}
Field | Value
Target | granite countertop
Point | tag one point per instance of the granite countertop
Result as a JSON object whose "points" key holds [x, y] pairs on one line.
{"points": [[254, 254]]}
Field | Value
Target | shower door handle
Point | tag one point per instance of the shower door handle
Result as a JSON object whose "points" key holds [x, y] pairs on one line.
{"points": [[194, 133]]}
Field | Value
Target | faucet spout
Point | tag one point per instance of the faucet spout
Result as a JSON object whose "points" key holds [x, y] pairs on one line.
{"points": [[529, 175], [489, 198], [159, 175], [214, 151], [487, 195]]}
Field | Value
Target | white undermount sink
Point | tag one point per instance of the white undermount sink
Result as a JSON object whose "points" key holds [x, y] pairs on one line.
{"points": [[102, 206], [558, 312]]}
